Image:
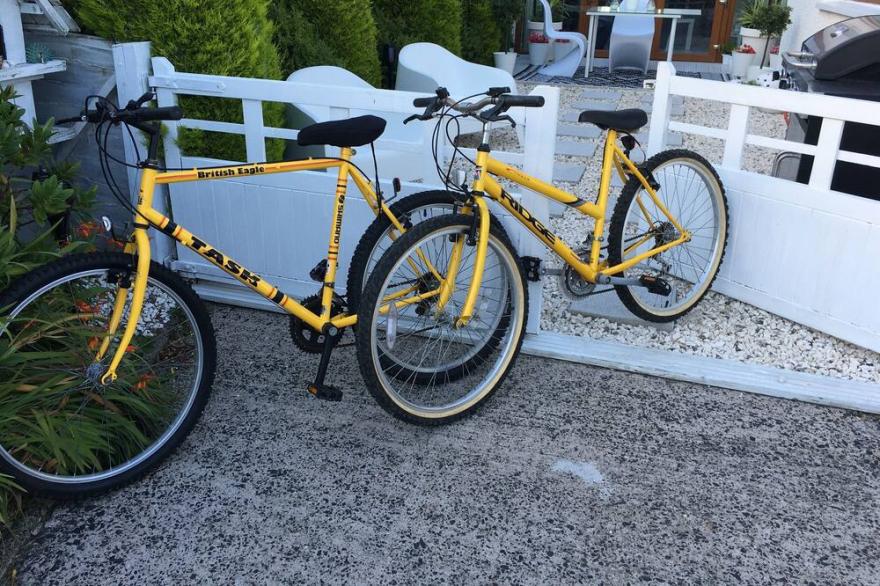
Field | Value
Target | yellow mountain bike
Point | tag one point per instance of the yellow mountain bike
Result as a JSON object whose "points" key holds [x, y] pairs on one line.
{"points": [[662, 250], [113, 355]]}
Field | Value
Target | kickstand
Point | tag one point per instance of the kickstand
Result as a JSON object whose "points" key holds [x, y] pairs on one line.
{"points": [[318, 388]]}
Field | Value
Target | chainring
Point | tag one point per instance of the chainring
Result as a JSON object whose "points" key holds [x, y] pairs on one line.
{"points": [[304, 336], [570, 283]]}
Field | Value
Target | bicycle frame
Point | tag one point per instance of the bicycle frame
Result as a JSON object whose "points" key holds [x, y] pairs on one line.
{"points": [[593, 271], [150, 177]]}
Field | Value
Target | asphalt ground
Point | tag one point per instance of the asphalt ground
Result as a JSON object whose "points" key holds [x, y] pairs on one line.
{"points": [[569, 474]]}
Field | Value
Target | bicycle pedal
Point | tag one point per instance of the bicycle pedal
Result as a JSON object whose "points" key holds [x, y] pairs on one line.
{"points": [[656, 285], [325, 392]]}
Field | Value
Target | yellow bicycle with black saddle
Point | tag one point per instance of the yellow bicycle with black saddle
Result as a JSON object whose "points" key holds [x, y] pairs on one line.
{"points": [[660, 252], [114, 355]]}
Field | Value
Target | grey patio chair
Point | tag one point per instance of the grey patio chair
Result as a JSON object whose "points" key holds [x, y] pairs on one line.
{"points": [[565, 65], [631, 40]]}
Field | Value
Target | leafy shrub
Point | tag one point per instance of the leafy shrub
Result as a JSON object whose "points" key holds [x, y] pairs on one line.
{"points": [[32, 211], [480, 34], [402, 22], [327, 32], [220, 37]]}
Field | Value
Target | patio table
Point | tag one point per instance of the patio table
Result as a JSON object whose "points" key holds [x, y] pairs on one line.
{"points": [[673, 14]]}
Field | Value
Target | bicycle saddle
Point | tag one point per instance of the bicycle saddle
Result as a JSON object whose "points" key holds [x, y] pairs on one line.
{"points": [[352, 132], [628, 120]]}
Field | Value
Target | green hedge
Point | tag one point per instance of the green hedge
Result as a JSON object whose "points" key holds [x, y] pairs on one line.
{"points": [[220, 37], [402, 22], [480, 34], [327, 32]]}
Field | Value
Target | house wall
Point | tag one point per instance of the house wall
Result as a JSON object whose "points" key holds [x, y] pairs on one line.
{"points": [[810, 16]]}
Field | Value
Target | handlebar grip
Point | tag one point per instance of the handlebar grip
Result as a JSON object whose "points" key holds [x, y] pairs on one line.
{"points": [[522, 101], [165, 113], [423, 102]]}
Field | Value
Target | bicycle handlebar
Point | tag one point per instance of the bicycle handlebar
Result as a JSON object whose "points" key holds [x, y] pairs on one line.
{"points": [[495, 96]]}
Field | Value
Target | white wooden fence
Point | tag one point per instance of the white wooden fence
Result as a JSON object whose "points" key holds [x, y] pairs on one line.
{"points": [[278, 225], [800, 251], [263, 219]]}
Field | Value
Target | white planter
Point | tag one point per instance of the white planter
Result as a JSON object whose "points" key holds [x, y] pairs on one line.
{"points": [[740, 63], [561, 49], [726, 63], [538, 53], [535, 25], [775, 62], [505, 60], [752, 36]]}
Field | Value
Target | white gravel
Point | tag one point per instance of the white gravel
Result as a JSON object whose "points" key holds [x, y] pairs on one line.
{"points": [[719, 327]]}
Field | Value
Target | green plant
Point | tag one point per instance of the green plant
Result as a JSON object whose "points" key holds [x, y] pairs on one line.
{"points": [[401, 22], [220, 37], [33, 206], [327, 32], [771, 18], [558, 9], [727, 47], [506, 13], [480, 33]]}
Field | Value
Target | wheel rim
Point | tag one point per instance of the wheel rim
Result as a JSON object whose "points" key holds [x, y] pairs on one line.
{"points": [[415, 216], [164, 362], [691, 193], [433, 346]]}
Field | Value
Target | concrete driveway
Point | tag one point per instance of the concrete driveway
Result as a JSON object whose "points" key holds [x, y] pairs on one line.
{"points": [[569, 474]]}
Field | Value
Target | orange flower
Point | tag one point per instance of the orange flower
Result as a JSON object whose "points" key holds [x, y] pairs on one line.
{"points": [[131, 348], [144, 381], [84, 307], [93, 343], [86, 229]]}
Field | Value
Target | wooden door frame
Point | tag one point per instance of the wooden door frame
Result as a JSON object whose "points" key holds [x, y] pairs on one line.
{"points": [[722, 25]]}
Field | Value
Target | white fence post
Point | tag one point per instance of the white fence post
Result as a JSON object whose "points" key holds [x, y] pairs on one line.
{"points": [[254, 131], [660, 109], [539, 157], [827, 148], [131, 62], [737, 129]]}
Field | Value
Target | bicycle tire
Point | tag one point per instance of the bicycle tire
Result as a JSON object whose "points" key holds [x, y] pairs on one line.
{"points": [[367, 360], [37, 284], [618, 225]]}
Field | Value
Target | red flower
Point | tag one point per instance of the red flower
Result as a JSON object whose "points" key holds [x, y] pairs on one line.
{"points": [[748, 49], [538, 37]]}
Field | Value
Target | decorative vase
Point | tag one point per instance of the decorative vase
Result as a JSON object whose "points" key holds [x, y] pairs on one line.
{"points": [[505, 60], [752, 37], [538, 53], [740, 63]]}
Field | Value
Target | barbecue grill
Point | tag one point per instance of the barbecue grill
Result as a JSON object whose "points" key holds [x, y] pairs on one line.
{"points": [[840, 60]]}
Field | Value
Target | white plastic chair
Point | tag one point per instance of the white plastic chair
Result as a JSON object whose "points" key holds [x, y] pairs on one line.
{"points": [[423, 67], [567, 64], [391, 163], [631, 39]]}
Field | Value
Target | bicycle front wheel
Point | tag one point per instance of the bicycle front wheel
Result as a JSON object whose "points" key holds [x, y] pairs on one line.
{"points": [[689, 189], [64, 433], [418, 364]]}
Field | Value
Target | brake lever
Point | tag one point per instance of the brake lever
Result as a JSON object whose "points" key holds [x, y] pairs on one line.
{"points": [[411, 118], [135, 104]]}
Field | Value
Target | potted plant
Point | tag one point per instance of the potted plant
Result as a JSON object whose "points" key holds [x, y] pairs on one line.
{"points": [[539, 46], [727, 56], [742, 59], [775, 58], [506, 13], [761, 21]]}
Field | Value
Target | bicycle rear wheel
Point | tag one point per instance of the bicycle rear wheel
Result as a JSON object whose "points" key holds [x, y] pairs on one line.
{"points": [[417, 364], [66, 434], [689, 188]]}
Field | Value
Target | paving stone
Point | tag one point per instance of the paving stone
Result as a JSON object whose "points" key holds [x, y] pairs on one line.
{"points": [[593, 105], [580, 130], [673, 139], [676, 100], [608, 306], [576, 149], [568, 172], [597, 94]]}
